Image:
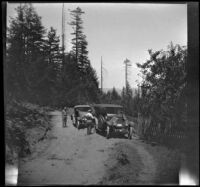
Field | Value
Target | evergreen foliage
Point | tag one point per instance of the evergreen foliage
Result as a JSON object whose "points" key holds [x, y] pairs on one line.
{"points": [[24, 53], [87, 76], [34, 67]]}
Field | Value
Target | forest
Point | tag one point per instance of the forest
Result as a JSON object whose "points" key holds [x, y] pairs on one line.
{"points": [[37, 71]]}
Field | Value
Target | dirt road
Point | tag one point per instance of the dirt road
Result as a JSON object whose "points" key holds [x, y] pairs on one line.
{"points": [[69, 156]]}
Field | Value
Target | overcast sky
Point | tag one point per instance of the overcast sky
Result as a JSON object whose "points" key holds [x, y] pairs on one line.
{"points": [[117, 31]]}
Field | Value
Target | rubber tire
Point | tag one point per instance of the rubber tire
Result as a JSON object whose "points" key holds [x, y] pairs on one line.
{"points": [[107, 132], [77, 124], [94, 129], [130, 133], [88, 129]]}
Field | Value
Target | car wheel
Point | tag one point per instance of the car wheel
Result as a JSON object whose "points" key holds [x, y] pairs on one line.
{"points": [[130, 134], [94, 127], [107, 132], [96, 130], [78, 125], [88, 129]]}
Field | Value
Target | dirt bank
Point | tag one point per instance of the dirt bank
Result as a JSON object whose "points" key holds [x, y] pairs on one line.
{"points": [[25, 125]]}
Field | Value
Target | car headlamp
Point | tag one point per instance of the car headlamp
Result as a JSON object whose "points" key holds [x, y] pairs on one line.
{"points": [[119, 125], [83, 119]]}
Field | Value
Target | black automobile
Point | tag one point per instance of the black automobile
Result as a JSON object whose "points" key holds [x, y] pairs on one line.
{"points": [[111, 119], [77, 117]]}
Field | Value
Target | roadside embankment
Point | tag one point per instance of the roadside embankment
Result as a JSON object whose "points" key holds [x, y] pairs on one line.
{"points": [[138, 162], [25, 125]]}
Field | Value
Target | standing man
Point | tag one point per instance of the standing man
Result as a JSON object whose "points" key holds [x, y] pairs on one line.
{"points": [[64, 116], [90, 121], [76, 116]]}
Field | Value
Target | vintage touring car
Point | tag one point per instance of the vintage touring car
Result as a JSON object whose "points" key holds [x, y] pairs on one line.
{"points": [[77, 117], [111, 119]]}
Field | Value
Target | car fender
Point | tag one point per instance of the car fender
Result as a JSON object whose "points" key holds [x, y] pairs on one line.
{"points": [[109, 123], [131, 124], [96, 121]]}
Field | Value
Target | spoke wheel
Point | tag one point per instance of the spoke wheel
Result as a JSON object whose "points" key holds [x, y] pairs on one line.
{"points": [[94, 127], [78, 124], [88, 129], [130, 134], [107, 132]]}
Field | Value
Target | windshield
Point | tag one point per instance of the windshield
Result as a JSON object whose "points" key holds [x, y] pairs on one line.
{"points": [[83, 109], [113, 110]]}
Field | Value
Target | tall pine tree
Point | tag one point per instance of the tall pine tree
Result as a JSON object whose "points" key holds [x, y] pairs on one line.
{"points": [[49, 83], [25, 55], [88, 77], [53, 54]]}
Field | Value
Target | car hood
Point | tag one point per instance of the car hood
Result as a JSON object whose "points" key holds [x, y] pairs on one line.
{"points": [[114, 120], [81, 114], [110, 116]]}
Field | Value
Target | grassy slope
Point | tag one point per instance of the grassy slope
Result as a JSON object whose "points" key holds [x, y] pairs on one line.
{"points": [[25, 125]]}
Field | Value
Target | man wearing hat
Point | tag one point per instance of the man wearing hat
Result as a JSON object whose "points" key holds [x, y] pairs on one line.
{"points": [[90, 121], [64, 116]]}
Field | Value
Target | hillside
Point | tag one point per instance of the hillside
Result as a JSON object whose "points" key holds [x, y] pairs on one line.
{"points": [[25, 125]]}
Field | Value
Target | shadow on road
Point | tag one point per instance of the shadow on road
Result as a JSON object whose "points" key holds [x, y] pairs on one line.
{"points": [[113, 135], [80, 127]]}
